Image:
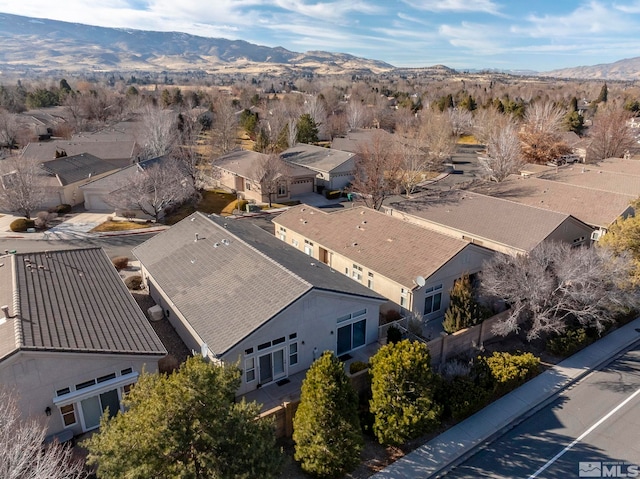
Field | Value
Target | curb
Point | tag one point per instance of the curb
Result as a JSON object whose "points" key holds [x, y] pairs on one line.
{"points": [[574, 369]]}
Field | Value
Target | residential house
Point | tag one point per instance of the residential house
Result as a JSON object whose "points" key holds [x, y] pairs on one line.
{"points": [[72, 338], [334, 168], [238, 294], [97, 192], [359, 138], [412, 266], [119, 153], [240, 171], [495, 223], [594, 177], [67, 175], [595, 207]]}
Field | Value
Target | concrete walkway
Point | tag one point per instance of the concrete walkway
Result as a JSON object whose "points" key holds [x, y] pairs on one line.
{"points": [[461, 441], [73, 226]]}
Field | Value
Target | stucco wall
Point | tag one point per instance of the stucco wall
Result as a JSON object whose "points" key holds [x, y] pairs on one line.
{"points": [[36, 376]]}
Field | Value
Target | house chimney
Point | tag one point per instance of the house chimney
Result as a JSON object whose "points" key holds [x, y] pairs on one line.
{"points": [[5, 310], [197, 237]]}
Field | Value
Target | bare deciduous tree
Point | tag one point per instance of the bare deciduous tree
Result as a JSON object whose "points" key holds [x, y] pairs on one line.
{"points": [[314, 107], [22, 185], [504, 155], [377, 170], [152, 189], [357, 115], [22, 454], [158, 133], [540, 134], [186, 152], [611, 136], [556, 284], [271, 171], [9, 129], [487, 122], [225, 124], [461, 121], [436, 136]]}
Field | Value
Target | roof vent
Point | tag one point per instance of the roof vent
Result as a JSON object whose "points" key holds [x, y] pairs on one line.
{"points": [[225, 242], [5, 311], [197, 237], [215, 245]]}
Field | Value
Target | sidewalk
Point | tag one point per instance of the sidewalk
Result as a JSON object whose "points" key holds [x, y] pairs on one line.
{"points": [[73, 226], [461, 441]]}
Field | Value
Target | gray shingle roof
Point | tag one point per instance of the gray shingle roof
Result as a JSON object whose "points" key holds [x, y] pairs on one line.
{"points": [[594, 207], [118, 178], [513, 224], [316, 157], [71, 169], [224, 283], [592, 176], [107, 150], [245, 163], [394, 248], [75, 301]]}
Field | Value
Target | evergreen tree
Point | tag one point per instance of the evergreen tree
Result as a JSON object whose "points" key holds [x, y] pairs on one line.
{"points": [[604, 93], [402, 386], [462, 311], [326, 428], [185, 425], [307, 129], [573, 105]]}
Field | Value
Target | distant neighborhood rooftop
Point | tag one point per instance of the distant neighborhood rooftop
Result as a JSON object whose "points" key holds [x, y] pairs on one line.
{"points": [[107, 150], [316, 158], [592, 176], [595, 207], [516, 225], [71, 169]]}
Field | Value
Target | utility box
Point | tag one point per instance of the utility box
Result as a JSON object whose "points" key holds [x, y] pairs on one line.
{"points": [[155, 313]]}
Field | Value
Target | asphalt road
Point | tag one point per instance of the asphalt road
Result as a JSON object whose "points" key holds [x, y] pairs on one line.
{"points": [[595, 425], [114, 246]]}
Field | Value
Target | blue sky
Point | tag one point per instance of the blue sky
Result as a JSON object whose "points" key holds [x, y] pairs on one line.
{"points": [[508, 34]]}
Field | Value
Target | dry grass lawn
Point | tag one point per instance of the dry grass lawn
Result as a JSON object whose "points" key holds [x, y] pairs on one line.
{"points": [[212, 201], [120, 226], [467, 140]]}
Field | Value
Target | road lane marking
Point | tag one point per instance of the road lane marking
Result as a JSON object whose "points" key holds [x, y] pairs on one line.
{"points": [[583, 435]]}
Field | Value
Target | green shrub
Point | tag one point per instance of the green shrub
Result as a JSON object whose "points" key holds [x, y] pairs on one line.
{"points": [[62, 209], [394, 335], [332, 194], [120, 262], [21, 225], [134, 283], [508, 371], [463, 397], [357, 366], [569, 342]]}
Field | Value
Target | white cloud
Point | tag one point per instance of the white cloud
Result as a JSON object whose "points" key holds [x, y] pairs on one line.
{"points": [[632, 8], [472, 36], [486, 6], [588, 19], [327, 10]]}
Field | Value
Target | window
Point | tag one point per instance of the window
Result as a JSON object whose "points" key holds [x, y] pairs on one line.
{"points": [[282, 190], [126, 389], [403, 297], [308, 247], [250, 369], [248, 351], [126, 371], [433, 299], [282, 232], [294, 242], [68, 415], [102, 379], [247, 186], [351, 336], [370, 280], [85, 384], [356, 272], [293, 354]]}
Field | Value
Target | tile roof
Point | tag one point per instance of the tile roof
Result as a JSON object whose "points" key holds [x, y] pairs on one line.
{"points": [[107, 150], [224, 283], [316, 157], [394, 248], [594, 207], [512, 224], [75, 301], [71, 169], [356, 139], [594, 177], [244, 163]]}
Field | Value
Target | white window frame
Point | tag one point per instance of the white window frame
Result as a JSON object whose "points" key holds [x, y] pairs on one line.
{"points": [[250, 367], [430, 294], [356, 273]]}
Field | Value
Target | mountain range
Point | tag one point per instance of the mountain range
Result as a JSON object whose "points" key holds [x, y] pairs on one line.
{"points": [[40, 45]]}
